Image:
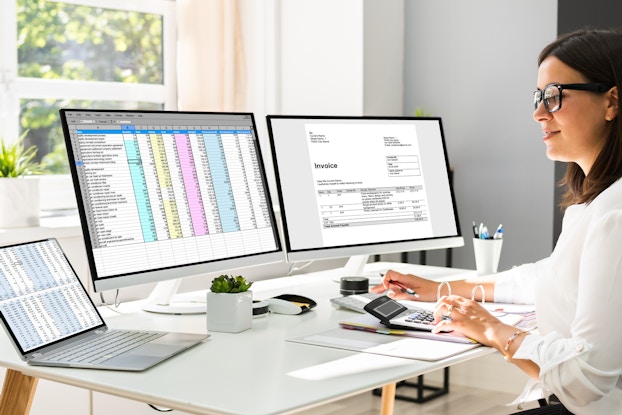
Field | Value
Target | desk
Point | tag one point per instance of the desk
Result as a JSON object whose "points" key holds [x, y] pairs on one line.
{"points": [[244, 373]]}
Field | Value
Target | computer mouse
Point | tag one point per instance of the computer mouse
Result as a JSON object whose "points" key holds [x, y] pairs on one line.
{"points": [[290, 304]]}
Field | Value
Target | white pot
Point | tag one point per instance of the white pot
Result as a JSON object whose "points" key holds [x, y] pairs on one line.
{"points": [[19, 202], [229, 313]]}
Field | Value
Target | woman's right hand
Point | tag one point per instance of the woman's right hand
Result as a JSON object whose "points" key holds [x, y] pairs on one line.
{"points": [[425, 289]]}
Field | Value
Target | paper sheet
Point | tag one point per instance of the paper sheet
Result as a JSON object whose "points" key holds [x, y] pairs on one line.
{"points": [[421, 349], [394, 346]]}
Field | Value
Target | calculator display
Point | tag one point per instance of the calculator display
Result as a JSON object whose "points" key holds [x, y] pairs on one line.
{"points": [[389, 309]]}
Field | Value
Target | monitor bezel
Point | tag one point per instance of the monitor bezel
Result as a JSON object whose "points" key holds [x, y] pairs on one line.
{"points": [[366, 249], [167, 274]]}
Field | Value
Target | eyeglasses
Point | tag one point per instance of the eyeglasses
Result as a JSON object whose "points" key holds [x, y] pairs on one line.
{"points": [[552, 94]]}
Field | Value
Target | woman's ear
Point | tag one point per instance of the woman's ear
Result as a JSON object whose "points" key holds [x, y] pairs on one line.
{"points": [[612, 104]]}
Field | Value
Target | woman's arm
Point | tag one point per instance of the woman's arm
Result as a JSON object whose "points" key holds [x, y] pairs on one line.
{"points": [[428, 290], [471, 319]]}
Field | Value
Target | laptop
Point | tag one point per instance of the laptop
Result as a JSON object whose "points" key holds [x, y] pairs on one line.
{"points": [[52, 321]]}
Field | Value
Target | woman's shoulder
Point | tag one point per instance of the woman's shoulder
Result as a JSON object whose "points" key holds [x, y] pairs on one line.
{"points": [[611, 197], [607, 206]]}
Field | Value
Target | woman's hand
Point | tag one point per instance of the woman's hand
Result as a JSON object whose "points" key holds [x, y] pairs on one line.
{"points": [[396, 283], [471, 319]]}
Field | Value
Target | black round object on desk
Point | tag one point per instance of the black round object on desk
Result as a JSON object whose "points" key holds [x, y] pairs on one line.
{"points": [[260, 308], [354, 285]]}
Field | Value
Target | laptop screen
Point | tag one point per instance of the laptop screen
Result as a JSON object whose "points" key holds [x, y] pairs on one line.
{"points": [[42, 301]]}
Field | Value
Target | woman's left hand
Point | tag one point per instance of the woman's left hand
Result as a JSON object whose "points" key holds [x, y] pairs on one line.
{"points": [[467, 317]]}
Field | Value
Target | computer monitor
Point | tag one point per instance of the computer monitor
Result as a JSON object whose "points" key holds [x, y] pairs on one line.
{"points": [[164, 195], [360, 186]]}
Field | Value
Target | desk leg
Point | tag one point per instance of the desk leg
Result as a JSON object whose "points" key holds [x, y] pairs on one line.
{"points": [[388, 399], [17, 393]]}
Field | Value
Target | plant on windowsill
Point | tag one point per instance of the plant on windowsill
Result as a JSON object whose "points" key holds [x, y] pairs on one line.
{"points": [[229, 304], [421, 112], [16, 160], [20, 198]]}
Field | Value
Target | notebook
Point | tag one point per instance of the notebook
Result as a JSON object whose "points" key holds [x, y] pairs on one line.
{"points": [[51, 320]]}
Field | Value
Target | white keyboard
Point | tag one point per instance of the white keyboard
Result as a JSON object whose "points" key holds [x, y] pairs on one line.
{"points": [[354, 302]]}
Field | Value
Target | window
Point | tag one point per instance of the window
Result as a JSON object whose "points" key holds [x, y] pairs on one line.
{"points": [[81, 54]]}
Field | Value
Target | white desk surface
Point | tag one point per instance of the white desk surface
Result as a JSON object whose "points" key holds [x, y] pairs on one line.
{"points": [[246, 373]]}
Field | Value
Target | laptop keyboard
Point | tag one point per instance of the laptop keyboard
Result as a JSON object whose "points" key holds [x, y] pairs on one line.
{"points": [[103, 347]]}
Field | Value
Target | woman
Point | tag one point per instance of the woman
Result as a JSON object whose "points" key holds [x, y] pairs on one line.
{"points": [[577, 352]]}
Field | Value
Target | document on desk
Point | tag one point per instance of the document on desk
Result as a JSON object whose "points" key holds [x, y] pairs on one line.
{"points": [[368, 342], [518, 316], [525, 314], [421, 349], [367, 322]]}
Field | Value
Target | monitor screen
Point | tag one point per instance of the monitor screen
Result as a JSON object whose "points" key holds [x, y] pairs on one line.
{"points": [[362, 185], [163, 195]]}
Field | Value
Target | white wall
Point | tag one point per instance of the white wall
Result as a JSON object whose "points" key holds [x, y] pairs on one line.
{"points": [[321, 73], [383, 57], [340, 58], [474, 64]]}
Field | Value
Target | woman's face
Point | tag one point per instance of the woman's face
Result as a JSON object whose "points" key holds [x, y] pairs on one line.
{"points": [[576, 132]]}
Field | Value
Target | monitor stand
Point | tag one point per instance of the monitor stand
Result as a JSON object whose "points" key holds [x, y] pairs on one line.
{"points": [[162, 300], [355, 265]]}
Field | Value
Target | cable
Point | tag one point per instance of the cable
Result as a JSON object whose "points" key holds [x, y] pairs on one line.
{"points": [[115, 305], [160, 409]]}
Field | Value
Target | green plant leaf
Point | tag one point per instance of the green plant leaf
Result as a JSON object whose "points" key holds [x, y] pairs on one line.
{"points": [[16, 160], [230, 284], [420, 112]]}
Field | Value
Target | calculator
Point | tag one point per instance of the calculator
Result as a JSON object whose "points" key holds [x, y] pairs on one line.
{"points": [[395, 315]]}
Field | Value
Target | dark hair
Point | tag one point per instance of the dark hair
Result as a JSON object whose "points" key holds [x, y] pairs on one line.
{"points": [[597, 54]]}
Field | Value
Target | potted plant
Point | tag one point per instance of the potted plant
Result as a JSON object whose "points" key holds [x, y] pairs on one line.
{"points": [[19, 191], [229, 304]]}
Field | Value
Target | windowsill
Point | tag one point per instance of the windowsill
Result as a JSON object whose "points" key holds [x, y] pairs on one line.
{"points": [[62, 223], [59, 214]]}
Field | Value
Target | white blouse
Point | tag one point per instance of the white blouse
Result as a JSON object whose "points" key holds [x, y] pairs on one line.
{"points": [[578, 297]]}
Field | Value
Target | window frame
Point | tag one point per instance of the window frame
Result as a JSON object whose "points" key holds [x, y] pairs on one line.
{"points": [[14, 88]]}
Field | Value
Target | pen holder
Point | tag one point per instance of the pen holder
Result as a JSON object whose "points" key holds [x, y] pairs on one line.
{"points": [[487, 254]]}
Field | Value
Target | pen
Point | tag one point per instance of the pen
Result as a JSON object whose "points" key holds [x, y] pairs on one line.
{"points": [[405, 288], [480, 231], [499, 233], [402, 286], [484, 234]]}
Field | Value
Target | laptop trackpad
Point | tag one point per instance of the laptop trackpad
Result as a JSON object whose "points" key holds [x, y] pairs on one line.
{"points": [[144, 356], [156, 349]]}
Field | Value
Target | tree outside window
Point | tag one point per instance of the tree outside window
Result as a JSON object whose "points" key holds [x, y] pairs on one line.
{"points": [[72, 55]]}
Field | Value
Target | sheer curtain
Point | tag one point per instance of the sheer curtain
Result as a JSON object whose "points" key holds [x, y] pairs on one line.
{"points": [[211, 73]]}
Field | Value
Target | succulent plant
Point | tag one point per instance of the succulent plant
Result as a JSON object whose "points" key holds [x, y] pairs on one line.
{"points": [[230, 284]]}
